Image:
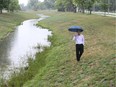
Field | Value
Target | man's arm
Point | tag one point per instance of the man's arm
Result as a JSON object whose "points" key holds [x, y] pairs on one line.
{"points": [[83, 40]]}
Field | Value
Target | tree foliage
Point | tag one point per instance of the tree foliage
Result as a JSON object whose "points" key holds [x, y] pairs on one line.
{"points": [[89, 4], [60, 5], [9, 5], [73, 5], [13, 5], [49, 4], [81, 5], [65, 5], [33, 4]]}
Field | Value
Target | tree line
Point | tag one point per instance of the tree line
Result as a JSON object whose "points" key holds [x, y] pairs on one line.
{"points": [[73, 5], [9, 5], [61, 5]]}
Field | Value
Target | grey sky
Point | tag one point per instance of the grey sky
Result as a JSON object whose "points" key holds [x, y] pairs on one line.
{"points": [[25, 1]]}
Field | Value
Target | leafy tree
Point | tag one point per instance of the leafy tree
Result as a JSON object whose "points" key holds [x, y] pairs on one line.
{"points": [[65, 5], [108, 5], [69, 6], [89, 4], [4, 4], [81, 4], [9, 5], [112, 5], [33, 4], [49, 4], [14, 5], [60, 5], [1, 5], [41, 6], [104, 7]]}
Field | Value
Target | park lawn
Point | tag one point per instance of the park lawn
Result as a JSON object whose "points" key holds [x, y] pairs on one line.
{"points": [[9, 21], [57, 65], [60, 68]]}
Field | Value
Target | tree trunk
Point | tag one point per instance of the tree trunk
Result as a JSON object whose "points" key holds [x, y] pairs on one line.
{"points": [[108, 6], [61, 10], [104, 13], [0, 11], [83, 10], [8, 10], [90, 11], [75, 9]]}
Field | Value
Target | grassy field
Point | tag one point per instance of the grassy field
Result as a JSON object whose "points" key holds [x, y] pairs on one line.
{"points": [[57, 65], [8, 21]]}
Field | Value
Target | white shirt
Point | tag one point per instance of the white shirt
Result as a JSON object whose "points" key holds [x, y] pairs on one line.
{"points": [[79, 39]]}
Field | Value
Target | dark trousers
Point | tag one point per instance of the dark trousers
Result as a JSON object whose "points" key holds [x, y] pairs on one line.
{"points": [[79, 51]]}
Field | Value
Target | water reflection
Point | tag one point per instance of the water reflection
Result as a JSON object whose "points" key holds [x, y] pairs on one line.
{"points": [[21, 44]]}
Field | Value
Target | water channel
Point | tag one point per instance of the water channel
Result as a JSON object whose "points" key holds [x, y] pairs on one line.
{"points": [[23, 43]]}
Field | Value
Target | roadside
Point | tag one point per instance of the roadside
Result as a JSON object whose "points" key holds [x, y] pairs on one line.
{"points": [[107, 14]]}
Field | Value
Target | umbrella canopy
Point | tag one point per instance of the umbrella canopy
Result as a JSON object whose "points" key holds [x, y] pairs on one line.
{"points": [[75, 29]]}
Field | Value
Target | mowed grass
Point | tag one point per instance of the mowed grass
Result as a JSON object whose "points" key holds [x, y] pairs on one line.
{"points": [[57, 65], [8, 21]]}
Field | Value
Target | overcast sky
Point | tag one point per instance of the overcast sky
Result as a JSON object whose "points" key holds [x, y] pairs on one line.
{"points": [[25, 1]]}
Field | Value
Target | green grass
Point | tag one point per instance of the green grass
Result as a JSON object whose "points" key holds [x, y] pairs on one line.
{"points": [[8, 21], [57, 65]]}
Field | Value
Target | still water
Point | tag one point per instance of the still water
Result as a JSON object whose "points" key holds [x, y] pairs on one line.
{"points": [[22, 44]]}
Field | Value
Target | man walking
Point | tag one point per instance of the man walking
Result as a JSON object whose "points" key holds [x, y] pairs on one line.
{"points": [[79, 39]]}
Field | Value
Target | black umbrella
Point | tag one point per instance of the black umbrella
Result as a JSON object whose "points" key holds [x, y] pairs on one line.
{"points": [[75, 29]]}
